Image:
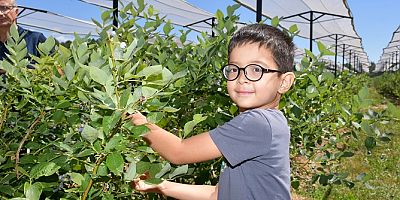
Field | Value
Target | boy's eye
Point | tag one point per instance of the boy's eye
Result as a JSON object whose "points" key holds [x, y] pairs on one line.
{"points": [[257, 69], [232, 70]]}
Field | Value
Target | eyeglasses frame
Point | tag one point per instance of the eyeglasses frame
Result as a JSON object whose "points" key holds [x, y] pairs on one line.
{"points": [[5, 12], [264, 70]]}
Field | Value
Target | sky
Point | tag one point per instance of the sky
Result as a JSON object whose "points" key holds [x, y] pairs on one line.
{"points": [[375, 20]]}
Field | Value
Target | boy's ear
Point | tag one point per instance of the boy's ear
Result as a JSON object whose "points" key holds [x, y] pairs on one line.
{"points": [[287, 82]]}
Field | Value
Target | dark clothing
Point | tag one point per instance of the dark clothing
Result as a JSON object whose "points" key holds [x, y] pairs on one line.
{"points": [[32, 40], [255, 145]]}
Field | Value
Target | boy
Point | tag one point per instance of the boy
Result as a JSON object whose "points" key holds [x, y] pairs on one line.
{"points": [[254, 144]]}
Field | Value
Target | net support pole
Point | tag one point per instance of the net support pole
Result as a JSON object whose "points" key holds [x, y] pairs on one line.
{"points": [[115, 14], [311, 29], [336, 39], [259, 11], [350, 61], [344, 50]]}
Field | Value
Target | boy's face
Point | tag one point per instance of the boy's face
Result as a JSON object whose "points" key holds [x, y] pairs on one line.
{"points": [[255, 94]]}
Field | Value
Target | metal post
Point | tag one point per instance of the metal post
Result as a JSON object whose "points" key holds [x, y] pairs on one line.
{"points": [[115, 14], [354, 62], [212, 27], [397, 60], [311, 28], [393, 61], [336, 39], [344, 48], [350, 61], [259, 11], [385, 66]]}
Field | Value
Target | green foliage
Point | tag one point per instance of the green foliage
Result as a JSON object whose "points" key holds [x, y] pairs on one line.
{"points": [[387, 84], [64, 126], [326, 115]]}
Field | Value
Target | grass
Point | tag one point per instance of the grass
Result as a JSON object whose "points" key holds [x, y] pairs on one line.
{"points": [[380, 167]]}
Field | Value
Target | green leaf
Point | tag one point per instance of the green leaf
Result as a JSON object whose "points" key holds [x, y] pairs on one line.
{"points": [[166, 168], [365, 126], [148, 92], [115, 162], [63, 104], [131, 172], [60, 82], [150, 70], [313, 79], [76, 178], [99, 75], [197, 118], [179, 171], [114, 141], [167, 28], [43, 169], [153, 181], [125, 97], [170, 109], [33, 191], [69, 72], [312, 91], [7, 189], [275, 21], [370, 143], [14, 31], [84, 153], [90, 134], [347, 154], [47, 46], [58, 116], [293, 29], [155, 117], [233, 109], [138, 131], [295, 183], [310, 54], [109, 122], [142, 167]]}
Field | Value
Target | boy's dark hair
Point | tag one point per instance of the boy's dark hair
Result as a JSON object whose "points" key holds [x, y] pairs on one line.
{"points": [[269, 37]]}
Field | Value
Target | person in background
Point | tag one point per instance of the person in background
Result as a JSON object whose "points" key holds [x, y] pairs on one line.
{"points": [[254, 144], [8, 17]]}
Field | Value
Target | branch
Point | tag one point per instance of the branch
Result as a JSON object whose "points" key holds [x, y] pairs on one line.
{"points": [[21, 144], [94, 172], [4, 116]]}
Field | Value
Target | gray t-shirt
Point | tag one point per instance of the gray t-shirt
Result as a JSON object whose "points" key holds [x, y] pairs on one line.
{"points": [[255, 145]]}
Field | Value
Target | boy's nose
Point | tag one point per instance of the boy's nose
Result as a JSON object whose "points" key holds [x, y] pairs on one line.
{"points": [[242, 77]]}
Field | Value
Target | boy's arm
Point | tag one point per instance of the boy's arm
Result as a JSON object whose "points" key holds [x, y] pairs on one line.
{"points": [[195, 149], [180, 191]]}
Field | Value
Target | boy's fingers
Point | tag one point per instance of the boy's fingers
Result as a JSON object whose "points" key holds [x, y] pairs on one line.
{"points": [[138, 118]]}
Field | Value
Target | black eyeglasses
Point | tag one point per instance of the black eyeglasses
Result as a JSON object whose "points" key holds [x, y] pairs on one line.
{"points": [[253, 72], [6, 9]]}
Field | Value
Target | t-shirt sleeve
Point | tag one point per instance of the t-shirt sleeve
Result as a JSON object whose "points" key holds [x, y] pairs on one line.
{"points": [[244, 137]]}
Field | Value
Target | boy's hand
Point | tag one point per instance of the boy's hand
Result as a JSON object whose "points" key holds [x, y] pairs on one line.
{"points": [[138, 119], [140, 185]]}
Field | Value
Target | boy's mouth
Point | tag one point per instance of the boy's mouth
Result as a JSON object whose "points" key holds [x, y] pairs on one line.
{"points": [[244, 92]]}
